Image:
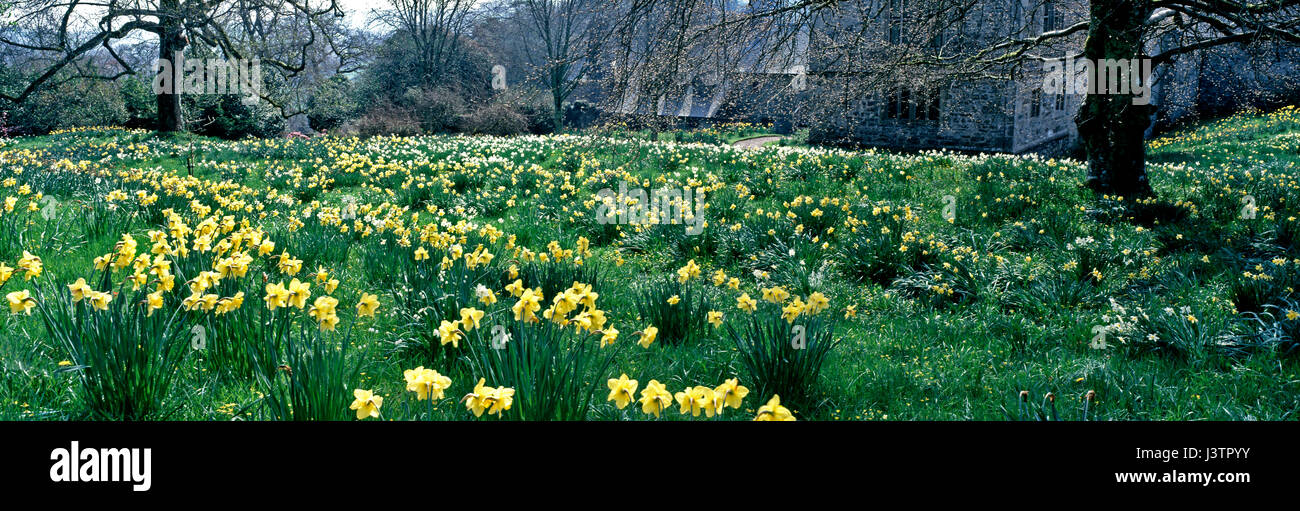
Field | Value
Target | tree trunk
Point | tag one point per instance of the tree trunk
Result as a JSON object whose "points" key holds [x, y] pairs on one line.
{"points": [[557, 114], [1111, 126], [171, 41]]}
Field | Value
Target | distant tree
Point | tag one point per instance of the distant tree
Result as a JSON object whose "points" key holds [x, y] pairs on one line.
{"points": [[562, 39], [286, 35], [331, 104], [394, 68], [434, 28]]}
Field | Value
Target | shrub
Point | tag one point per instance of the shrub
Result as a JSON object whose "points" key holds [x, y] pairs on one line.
{"points": [[538, 112], [227, 116], [385, 118], [437, 110], [141, 104], [70, 104], [498, 119]]}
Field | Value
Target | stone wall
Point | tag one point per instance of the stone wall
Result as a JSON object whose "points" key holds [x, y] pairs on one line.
{"points": [[973, 116], [1051, 131]]}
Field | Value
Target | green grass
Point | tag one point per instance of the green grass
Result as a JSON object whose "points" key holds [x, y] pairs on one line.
{"points": [[1000, 300]]}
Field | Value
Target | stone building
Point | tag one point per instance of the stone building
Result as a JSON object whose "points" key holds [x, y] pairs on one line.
{"points": [[792, 88], [983, 114]]}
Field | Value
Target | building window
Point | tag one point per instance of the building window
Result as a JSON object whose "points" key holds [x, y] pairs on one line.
{"points": [[1060, 102], [1036, 104], [895, 21], [905, 104], [1051, 20], [1015, 19]]}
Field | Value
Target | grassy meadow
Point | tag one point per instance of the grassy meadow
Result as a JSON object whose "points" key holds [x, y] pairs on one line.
{"points": [[189, 278]]}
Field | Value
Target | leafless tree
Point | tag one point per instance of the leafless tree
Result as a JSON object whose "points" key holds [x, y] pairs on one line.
{"points": [[286, 35], [435, 28], [562, 39]]}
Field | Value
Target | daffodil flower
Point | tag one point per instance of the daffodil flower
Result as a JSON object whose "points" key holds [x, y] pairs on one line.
{"points": [[655, 398], [366, 403], [773, 411], [621, 390], [647, 336]]}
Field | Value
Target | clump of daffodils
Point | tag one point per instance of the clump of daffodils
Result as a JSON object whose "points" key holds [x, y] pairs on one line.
{"points": [[426, 383], [491, 400]]}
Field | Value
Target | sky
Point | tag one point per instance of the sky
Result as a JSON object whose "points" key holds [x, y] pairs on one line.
{"points": [[358, 11]]}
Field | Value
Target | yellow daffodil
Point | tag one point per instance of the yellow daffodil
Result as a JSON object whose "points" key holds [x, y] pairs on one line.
{"points": [[31, 265], [493, 401], [99, 300], [299, 292], [516, 288], [696, 399], [791, 311], [621, 390], [527, 307], [276, 296], [608, 336], [747, 304], [647, 336], [426, 383], [21, 301], [323, 310], [79, 290], [688, 272], [469, 318], [775, 294], [817, 303], [730, 393], [449, 332], [773, 411], [367, 306], [366, 403], [655, 398], [154, 301], [485, 296]]}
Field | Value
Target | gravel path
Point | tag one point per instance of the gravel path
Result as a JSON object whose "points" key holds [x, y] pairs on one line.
{"points": [[756, 142]]}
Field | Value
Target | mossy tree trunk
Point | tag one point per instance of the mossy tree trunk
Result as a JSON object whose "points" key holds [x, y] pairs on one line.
{"points": [[1111, 126]]}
